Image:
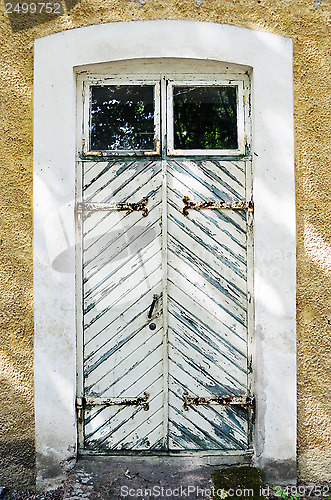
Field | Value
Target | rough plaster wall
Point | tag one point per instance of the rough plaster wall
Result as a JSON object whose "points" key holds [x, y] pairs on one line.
{"points": [[306, 22], [16, 299]]}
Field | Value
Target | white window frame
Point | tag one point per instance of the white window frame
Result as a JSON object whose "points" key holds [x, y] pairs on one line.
{"points": [[57, 59], [85, 145], [239, 84]]}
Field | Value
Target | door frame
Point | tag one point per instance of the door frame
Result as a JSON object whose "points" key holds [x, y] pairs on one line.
{"points": [[163, 74], [268, 58]]}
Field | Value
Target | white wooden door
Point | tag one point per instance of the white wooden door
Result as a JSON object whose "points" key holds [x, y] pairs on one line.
{"points": [[207, 306], [165, 299], [122, 271]]}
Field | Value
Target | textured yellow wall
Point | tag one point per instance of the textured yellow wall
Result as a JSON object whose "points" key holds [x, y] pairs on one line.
{"points": [[306, 22]]}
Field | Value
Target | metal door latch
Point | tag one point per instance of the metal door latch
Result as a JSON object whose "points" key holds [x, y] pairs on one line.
{"points": [[243, 401], [150, 312], [139, 206], [79, 409], [140, 401], [218, 205]]}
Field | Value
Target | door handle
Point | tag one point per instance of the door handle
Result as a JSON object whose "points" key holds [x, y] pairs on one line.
{"points": [[150, 312]]}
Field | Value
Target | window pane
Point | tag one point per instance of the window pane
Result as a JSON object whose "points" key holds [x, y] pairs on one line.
{"points": [[205, 117], [122, 117]]}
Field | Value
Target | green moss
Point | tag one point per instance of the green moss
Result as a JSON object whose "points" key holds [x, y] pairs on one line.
{"points": [[238, 482]]}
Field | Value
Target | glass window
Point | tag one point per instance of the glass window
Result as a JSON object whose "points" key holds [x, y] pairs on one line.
{"points": [[205, 117], [122, 117]]}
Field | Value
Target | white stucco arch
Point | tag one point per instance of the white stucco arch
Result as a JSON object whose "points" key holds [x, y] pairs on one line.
{"points": [[57, 57]]}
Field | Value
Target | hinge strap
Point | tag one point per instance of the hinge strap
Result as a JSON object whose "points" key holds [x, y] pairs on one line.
{"points": [[139, 206], [140, 401], [244, 401], [218, 205]]}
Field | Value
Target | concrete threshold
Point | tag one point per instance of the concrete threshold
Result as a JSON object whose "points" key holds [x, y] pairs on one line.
{"points": [[141, 477]]}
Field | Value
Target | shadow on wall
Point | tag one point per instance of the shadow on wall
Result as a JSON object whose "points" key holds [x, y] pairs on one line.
{"points": [[25, 15], [314, 320], [17, 446], [17, 463]]}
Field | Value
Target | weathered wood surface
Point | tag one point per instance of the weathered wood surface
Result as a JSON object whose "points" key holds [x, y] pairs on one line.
{"points": [[206, 294]]}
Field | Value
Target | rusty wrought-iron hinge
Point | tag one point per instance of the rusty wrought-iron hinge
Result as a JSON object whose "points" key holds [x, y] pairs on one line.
{"points": [[218, 205], [140, 401], [120, 207], [243, 401]]}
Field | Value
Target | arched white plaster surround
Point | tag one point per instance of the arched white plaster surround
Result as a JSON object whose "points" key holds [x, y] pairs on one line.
{"points": [[270, 57]]}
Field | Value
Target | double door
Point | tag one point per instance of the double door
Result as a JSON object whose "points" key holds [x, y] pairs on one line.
{"points": [[165, 244]]}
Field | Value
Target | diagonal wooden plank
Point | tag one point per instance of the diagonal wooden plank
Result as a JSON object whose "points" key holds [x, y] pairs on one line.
{"points": [[112, 379], [227, 371], [107, 186], [118, 342], [107, 170], [141, 250], [148, 379], [126, 285], [113, 432], [125, 228], [225, 427], [190, 278], [228, 332], [205, 430], [135, 309], [198, 326], [230, 171], [202, 379], [202, 227], [207, 303], [209, 177], [112, 319], [154, 436], [196, 253], [234, 218]]}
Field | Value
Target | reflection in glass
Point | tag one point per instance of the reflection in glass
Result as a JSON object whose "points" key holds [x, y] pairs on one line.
{"points": [[205, 117], [122, 118]]}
